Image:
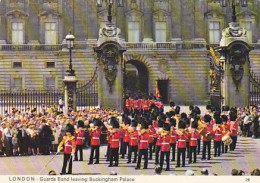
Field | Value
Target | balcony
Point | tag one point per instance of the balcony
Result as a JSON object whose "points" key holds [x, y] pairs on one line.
{"points": [[30, 47]]}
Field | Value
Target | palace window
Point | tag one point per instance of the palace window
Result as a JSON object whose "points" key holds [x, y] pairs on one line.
{"points": [[17, 83], [17, 33], [133, 32], [17, 64], [214, 32], [248, 25], [50, 33], [50, 83], [160, 31], [50, 64]]}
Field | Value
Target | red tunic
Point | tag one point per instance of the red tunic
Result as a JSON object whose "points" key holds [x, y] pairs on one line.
{"points": [[173, 134], [127, 104], [80, 137], [143, 143], [95, 137], [233, 126], [126, 137], [145, 105], [151, 135], [115, 140], [133, 138], [218, 134], [210, 130], [194, 136], [69, 145], [224, 129], [159, 140], [181, 140], [165, 147]]}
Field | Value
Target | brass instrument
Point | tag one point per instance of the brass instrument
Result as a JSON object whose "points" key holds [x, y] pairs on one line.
{"points": [[143, 131], [180, 131], [227, 139], [164, 132], [202, 129]]}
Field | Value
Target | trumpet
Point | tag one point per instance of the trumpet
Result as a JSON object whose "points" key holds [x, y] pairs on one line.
{"points": [[164, 132], [180, 131]]}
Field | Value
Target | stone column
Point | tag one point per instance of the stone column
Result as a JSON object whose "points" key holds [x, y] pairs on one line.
{"points": [[148, 21], [33, 23], [3, 36], [70, 93]]}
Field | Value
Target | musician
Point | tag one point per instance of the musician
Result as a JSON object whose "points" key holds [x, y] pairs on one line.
{"points": [[225, 130], [233, 126], [108, 142], [165, 146], [218, 136], [80, 137], [114, 145], [172, 105], [126, 137], [68, 141], [182, 137], [158, 141], [95, 141], [173, 139], [151, 143], [194, 136], [155, 126], [133, 143], [206, 138], [143, 146]]}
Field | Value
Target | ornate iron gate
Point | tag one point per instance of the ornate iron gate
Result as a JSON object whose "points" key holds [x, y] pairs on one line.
{"points": [[87, 93], [254, 95]]}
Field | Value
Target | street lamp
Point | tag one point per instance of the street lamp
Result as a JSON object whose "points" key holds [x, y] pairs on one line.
{"points": [[70, 40], [234, 3], [110, 3]]}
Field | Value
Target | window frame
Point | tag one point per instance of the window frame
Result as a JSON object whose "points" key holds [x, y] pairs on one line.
{"points": [[214, 30], [139, 31]]}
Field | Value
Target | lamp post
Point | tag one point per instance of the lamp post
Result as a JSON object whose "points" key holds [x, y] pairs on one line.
{"points": [[234, 3], [70, 41]]}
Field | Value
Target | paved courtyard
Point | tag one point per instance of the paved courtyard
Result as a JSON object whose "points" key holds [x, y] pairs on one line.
{"points": [[245, 157]]}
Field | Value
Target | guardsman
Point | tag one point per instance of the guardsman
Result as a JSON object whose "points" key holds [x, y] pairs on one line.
{"points": [[145, 106], [233, 127], [207, 138], [173, 140], [225, 130], [165, 147], [143, 146], [194, 135], [69, 143], [114, 145], [182, 137], [126, 137], [152, 132], [133, 143], [95, 141], [158, 141], [218, 136], [80, 138]]}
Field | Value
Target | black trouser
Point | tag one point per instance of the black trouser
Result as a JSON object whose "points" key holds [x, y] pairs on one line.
{"points": [[79, 148], [66, 158], [23, 146], [151, 151], [224, 147], [247, 129], [142, 152], [167, 154], [96, 149], [8, 146], [132, 149], [158, 149], [217, 145], [154, 144], [198, 141], [233, 144], [113, 156], [173, 147], [193, 149], [124, 148], [108, 151], [206, 144], [121, 145], [188, 148], [181, 152]]}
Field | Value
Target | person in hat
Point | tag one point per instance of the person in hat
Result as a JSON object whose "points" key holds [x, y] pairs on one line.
{"points": [[233, 127], [95, 141], [114, 145], [182, 137], [165, 147], [80, 138], [173, 140], [207, 138], [143, 146], [225, 130], [218, 136], [133, 143], [151, 142], [69, 149], [126, 137], [158, 141], [194, 136]]}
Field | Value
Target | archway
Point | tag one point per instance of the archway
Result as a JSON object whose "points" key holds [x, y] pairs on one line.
{"points": [[136, 79]]}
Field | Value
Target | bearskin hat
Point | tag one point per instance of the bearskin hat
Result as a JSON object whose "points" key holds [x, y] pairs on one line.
{"points": [[225, 108], [224, 118], [97, 122], [173, 122], [160, 123], [191, 107], [232, 116], [166, 127], [184, 115], [80, 124], [197, 110], [194, 124], [172, 104], [218, 120], [134, 123], [70, 128], [216, 114], [144, 125], [207, 118], [233, 110], [127, 121], [182, 125], [177, 110], [114, 122]]}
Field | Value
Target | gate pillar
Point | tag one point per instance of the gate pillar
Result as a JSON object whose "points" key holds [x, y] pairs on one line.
{"points": [[70, 94]]}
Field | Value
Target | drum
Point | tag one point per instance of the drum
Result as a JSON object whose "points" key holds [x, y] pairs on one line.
{"points": [[227, 139], [203, 131]]}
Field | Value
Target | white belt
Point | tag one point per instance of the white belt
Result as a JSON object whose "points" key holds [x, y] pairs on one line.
{"points": [[95, 138], [150, 135], [218, 134], [173, 136], [133, 138], [80, 137], [180, 140], [193, 138], [68, 145], [143, 140], [165, 143], [115, 139], [126, 135]]}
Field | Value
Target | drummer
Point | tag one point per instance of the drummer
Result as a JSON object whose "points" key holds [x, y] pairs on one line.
{"points": [[207, 137]]}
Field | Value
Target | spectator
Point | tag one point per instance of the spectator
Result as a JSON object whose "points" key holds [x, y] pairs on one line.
{"points": [[15, 144], [204, 171], [247, 124], [158, 170], [255, 172], [190, 172]]}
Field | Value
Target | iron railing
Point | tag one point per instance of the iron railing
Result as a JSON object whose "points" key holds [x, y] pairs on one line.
{"points": [[254, 94]]}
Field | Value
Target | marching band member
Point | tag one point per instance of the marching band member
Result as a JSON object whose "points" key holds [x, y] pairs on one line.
{"points": [[133, 143], [206, 138], [152, 131], [95, 141], [158, 141], [165, 146], [114, 145], [143, 146], [233, 126], [69, 149], [225, 130], [80, 137], [218, 136], [126, 137], [194, 135], [156, 128], [182, 137], [173, 139]]}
